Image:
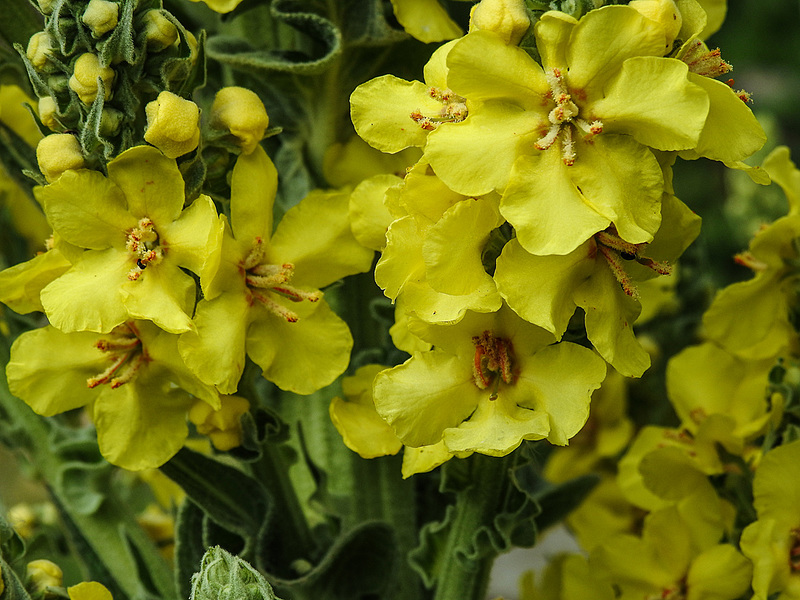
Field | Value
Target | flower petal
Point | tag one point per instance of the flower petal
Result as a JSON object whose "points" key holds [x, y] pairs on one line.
{"points": [[426, 20], [151, 182], [141, 425], [315, 237], [21, 284], [546, 208], [651, 100], [540, 288], [86, 209], [215, 351], [425, 395], [301, 357], [254, 184], [381, 112], [610, 314], [194, 239], [48, 369], [89, 296], [603, 39], [558, 381], [475, 156], [453, 247], [163, 294]]}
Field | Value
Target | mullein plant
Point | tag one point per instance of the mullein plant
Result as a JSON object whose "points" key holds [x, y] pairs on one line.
{"points": [[258, 345]]}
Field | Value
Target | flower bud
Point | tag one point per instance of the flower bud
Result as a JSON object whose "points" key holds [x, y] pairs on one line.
{"points": [[43, 574], [46, 6], [57, 153], [159, 31], [110, 121], [172, 124], [87, 70], [223, 576], [22, 519], [223, 426], [40, 49], [48, 109], [507, 18], [663, 12], [58, 83], [100, 16], [241, 112]]}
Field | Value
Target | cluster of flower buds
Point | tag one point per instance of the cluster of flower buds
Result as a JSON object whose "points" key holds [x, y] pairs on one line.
{"points": [[95, 66]]}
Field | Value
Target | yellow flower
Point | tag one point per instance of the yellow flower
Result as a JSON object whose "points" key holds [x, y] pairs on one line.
{"points": [[241, 112], [221, 6], [172, 124]]}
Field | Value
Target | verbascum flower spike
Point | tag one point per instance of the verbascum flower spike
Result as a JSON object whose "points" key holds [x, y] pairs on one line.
{"points": [[133, 381], [58, 153], [84, 81], [507, 18], [172, 124], [138, 238], [223, 576], [241, 112]]}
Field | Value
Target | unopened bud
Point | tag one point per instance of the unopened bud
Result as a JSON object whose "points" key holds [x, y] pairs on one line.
{"points": [[507, 18], [223, 426], [48, 109], [110, 121], [100, 16], [89, 590], [40, 49], [46, 6], [43, 574], [223, 576], [663, 12], [241, 112], [58, 153], [159, 31], [172, 124], [87, 71]]}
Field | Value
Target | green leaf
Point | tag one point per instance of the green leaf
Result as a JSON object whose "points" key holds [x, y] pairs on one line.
{"points": [[233, 499], [189, 545], [14, 590], [325, 38], [12, 545]]}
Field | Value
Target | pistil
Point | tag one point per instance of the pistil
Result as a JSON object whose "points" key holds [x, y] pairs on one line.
{"points": [[616, 250]]}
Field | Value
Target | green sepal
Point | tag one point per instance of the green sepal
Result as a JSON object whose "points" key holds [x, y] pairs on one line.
{"points": [[14, 589], [223, 576], [240, 54], [233, 499], [188, 545]]}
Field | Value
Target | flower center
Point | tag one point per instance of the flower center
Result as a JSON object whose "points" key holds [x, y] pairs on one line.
{"points": [[454, 109], [493, 362], [674, 592], [794, 550], [563, 117], [265, 279], [126, 354], [142, 244], [616, 251]]}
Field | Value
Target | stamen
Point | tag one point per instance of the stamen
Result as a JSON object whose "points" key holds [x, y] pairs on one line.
{"points": [[705, 62], [104, 377], [615, 263], [126, 354], [493, 356], [746, 259], [256, 254], [275, 308], [617, 243], [129, 372], [454, 109], [295, 295]]}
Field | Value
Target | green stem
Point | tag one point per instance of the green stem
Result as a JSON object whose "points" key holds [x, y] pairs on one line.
{"points": [[102, 528], [460, 577]]}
